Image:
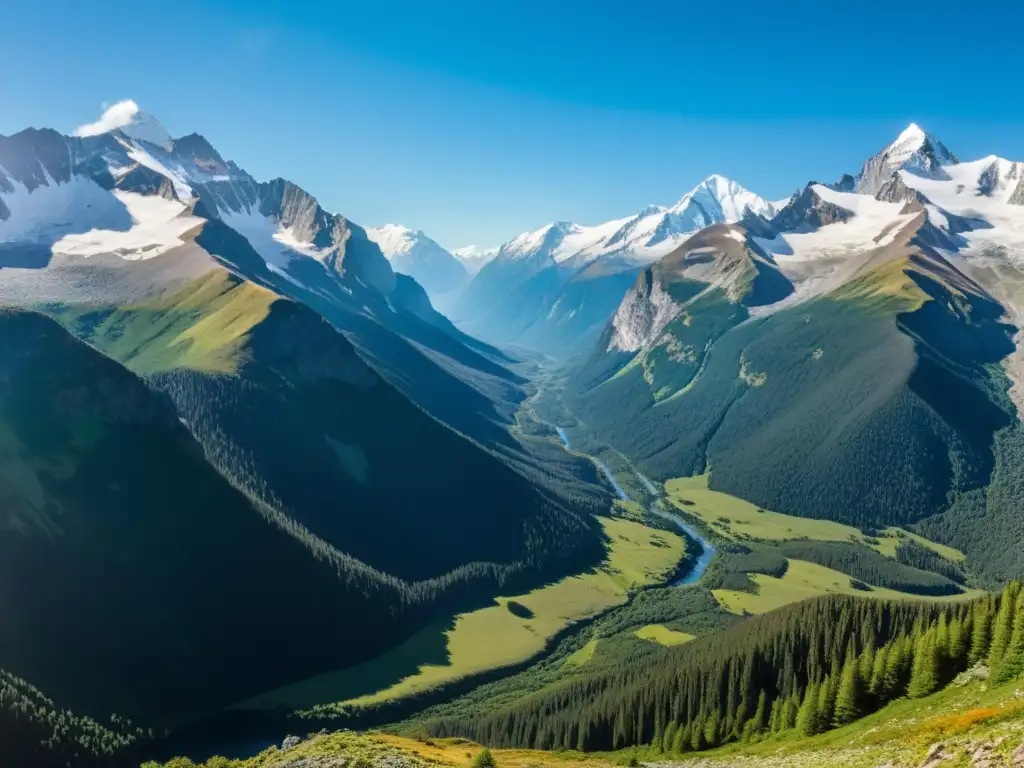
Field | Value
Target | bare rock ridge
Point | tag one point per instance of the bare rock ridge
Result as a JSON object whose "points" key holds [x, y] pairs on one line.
{"points": [[809, 210], [915, 151]]}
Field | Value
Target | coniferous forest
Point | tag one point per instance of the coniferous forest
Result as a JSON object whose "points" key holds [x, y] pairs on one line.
{"points": [[809, 667]]}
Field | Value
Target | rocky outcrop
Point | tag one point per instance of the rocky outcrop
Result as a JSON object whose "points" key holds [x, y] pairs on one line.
{"points": [[809, 210], [758, 225], [35, 158], [356, 256], [935, 756], [845, 183], [146, 181], [295, 209], [1017, 758], [895, 190], [1017, 196], [1000, 175], [643, 314]]}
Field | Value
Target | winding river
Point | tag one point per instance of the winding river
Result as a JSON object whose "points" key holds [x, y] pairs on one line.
{"points": [[707, 550]]}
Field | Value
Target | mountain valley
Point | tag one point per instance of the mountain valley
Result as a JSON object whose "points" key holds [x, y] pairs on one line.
{"points": [[732, 477]]}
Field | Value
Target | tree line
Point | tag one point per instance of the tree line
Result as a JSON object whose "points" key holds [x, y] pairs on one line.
{"points": [[806, 668]]}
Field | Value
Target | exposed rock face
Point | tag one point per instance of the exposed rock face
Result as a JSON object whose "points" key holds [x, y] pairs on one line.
{"points": [[294, 208], [1017, 197], [183, 169], [809, 211], [197, 150], [1017, 758], [845, 183], [895, 190], [36, 157], [356, 255], [758, 225], [146, 181], [935, 756], [999, 176], [643, 314], [915, 151]]}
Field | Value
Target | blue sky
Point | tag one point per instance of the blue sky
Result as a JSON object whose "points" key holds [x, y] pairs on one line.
{"points": [[477, 120]]}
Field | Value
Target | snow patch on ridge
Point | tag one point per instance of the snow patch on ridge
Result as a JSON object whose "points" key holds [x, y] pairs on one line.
{"points": [[53, 211], [820, 260], [158, 225], [276, 244], [144, 158]]}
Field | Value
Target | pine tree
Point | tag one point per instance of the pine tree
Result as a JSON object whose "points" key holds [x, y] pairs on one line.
{"points": [[1012, 664], [924, 675], [775, 720], [826, 702], [1003, 626], [942, 640], [848, 695], [681, 740], [712, 730], [981, 636], [878, 671], [866, 664], [697, 733], [758, 723], [668, 737], [807, 719], [895, 680], [789, 712], [958, 637]]}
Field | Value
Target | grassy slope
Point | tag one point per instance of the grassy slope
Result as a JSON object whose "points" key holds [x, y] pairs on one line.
{"points": [[962, 719], [583, 655], [203, 326], [659, 633], [493, 637], [738, 519], [804, 580], [878, 374]]}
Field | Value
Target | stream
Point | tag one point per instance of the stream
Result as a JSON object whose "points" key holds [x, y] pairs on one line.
{"points": [[707, 550]]}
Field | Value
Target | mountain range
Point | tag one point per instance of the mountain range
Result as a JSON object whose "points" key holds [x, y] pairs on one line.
{"points": [[555, 287], [244, 452], [853, 356], [412, 253], [209, 385]]}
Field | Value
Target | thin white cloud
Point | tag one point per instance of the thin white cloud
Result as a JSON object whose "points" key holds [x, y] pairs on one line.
{"points": [[116, 116]]}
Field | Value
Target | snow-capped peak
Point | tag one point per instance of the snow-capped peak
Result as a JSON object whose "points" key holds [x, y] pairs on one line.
{"points": [[719, 199], [474, 257], [915, 150], [413, 252], [473, 251], [912, 132], [650, 210], [645, 236], [394, 239], [125, 116], [915, 140]]}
